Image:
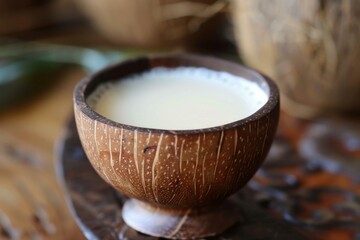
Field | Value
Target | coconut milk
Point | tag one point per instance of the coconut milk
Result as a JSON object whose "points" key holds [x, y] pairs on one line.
{"points": [[180, 98]]}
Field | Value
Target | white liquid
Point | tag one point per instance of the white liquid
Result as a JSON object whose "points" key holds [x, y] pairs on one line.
{"points": [[180, 98]]}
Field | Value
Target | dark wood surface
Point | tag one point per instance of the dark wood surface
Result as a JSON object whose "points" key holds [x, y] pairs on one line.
{"points": [[97, 207], [291, 197], [32, 205], [309, 178]]}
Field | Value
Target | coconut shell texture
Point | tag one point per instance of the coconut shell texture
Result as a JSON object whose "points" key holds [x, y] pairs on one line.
{"points": [[310, 47], [176, 169]]}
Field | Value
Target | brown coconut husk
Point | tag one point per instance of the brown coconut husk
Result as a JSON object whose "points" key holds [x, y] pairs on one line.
{"points": [[150, 23], [311, 48]]}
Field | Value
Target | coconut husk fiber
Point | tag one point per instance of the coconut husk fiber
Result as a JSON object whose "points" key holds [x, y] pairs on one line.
{"points": [[311, 48], [150, 23]]}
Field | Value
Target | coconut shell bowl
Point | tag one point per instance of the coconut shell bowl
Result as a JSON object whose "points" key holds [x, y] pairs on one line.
{"points": [[177, 181]]}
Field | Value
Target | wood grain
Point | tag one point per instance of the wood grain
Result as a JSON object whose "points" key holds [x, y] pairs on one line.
{"points": [[31, 203]]}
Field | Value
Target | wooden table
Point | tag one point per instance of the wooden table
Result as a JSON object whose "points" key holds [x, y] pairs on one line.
{"points": [[29, 191], [31, 201]]}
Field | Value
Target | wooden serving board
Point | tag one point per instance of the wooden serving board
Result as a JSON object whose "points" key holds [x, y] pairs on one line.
{"points": [[96, 207]]}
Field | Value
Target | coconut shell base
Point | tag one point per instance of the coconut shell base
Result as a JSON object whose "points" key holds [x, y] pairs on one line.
{"points": [[181, 224]]}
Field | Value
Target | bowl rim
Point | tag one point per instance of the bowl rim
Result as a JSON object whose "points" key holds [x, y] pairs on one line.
{"points": [[272, 103]]}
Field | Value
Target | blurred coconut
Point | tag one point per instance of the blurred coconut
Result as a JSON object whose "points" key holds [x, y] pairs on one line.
{"points": [[150, 23], [310, 47]]}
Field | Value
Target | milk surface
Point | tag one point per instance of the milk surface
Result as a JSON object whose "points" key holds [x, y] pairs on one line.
{"points": [[180, 98]]}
